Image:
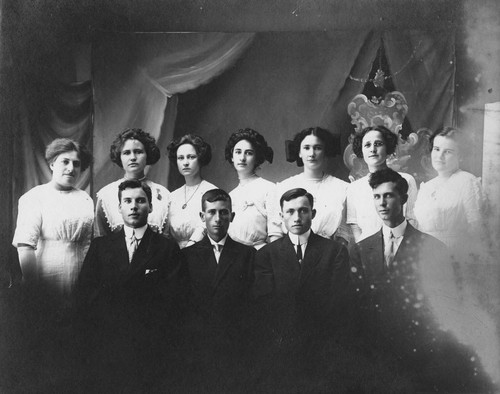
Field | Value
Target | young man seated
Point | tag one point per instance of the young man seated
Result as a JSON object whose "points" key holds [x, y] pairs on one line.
{"points": [[220, 269], [409, 297]]}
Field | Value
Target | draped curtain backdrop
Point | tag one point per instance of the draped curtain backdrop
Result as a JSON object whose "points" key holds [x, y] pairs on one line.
{"points": [[277, 83], [134, 76], [428, 79]]}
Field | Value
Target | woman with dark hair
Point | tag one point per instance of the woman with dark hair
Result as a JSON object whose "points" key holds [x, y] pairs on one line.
{"points": [[252, 199], [373, 145], [190, 153], [313, 147], [132, 150], [449, 206], [54, 222]]}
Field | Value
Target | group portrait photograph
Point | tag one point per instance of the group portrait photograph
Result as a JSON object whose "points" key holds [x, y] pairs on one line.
{"points": [[228, 196]]}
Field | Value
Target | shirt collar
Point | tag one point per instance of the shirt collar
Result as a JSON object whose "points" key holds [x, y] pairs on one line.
{"points": [[221, 242], [398, 231], [139, 232], [300, 239]]}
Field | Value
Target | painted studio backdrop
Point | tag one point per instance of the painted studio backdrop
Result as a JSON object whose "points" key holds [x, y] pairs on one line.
{"points": [[213, 84]]}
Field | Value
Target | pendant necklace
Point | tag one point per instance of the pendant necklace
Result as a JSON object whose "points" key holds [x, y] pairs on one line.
{"points": [[186, 200]]}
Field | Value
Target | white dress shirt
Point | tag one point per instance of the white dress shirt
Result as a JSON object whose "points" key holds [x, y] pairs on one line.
{"points": [[217, 247], [301, 240], [139, 234], [398, 232]]}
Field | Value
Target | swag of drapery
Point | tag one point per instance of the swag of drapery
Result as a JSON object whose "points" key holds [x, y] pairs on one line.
{"points": [[136, 79], [136, 75]]}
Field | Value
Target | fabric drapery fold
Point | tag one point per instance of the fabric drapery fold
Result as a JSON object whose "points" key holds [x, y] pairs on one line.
{"points": [[134, 76], [423, 68], [66, 112]]}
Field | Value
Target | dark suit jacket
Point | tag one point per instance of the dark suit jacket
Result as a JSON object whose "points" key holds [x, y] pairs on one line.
{"points": [[154, 278], [313, 291], [420, 267], [219, 292], [403, 307]]}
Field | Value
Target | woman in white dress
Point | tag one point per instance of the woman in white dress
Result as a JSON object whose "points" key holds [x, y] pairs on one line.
{"points": [[54, 222], [451, 207], [373, 145], [253, 198], [132, 150], [190, 152], [313, 146]]}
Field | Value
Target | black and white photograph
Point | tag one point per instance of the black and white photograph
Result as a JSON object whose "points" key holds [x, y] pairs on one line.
{"points": [[228, 196]]}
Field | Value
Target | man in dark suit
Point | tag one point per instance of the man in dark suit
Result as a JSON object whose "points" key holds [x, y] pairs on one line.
{"points": [[220, 273], [135, 266], [130, 293], [301, 278], [220, 269], [408, 296], [301, 287]]}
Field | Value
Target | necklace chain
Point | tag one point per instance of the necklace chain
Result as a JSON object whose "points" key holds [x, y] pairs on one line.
{"points": [[186, 200]]}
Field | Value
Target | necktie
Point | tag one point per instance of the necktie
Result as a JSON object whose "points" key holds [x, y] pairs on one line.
{"points": [[390, 250], [132, 246], [218, 249], [299, 253]]}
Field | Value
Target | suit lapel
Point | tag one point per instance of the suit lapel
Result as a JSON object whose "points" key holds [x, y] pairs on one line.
{"points": [[144, 252], [374, 254], [407, 245], [227, 257], [312, 257], [206, 265], [288, 258], [117, 251]]}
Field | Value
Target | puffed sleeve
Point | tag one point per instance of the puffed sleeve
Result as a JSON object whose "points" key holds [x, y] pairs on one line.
{"points": [[473, 203], [101, 226], [412, 197], [29, 221], [272, 209], [351, 215]]}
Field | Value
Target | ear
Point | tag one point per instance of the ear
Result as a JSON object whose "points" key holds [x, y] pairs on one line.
{"points": [[202, 216], [313, 213], [404, 199], [51, 166], [281, 215], [232, 217], [150, 208]]}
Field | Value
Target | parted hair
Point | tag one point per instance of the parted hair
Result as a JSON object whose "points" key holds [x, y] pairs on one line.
{"points": [[324, 135], [292, 194], [388, 175], [135, 184], [202, 148], [213, 195], [263, 151], [63, 145], [150, 147], [390, 140], [455, 134]]}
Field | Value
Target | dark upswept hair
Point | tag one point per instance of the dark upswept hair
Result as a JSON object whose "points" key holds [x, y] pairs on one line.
{"points": [[135, 184], [324, 135], [390, 140], [455, 134], [202, 148], [213, 195], [292, 194], [388, 175], [263, 151], [63, 145], [150, 147]]}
